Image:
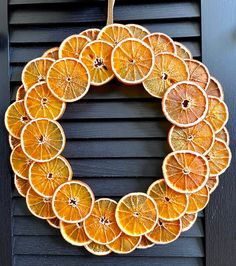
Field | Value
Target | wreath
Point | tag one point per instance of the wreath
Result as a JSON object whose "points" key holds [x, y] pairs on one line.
{"points": [[192, 100]]}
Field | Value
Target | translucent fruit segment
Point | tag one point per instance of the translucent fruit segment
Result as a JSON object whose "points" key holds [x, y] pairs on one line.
{"points": [[188, 221], [145, 243], [182, 51], [138, 31], [97, 249], [91, 33], [20, 94], [52, 53], [22, 185], [223, 134], [215, 89], [212, 183]]}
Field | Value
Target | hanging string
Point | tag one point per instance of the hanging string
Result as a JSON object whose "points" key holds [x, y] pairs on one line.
{"points": [[110, 7]]}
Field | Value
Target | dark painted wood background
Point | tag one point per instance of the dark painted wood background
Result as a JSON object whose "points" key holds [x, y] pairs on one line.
{"points": [[116, 135]]}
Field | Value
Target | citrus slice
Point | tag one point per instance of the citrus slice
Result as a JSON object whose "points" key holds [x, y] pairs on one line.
{"points": [[136, 214], [68, 79], [90, 33], [35, 71], [74, 233], [114, 33], [13, 142], [20, 163], [97, 57], [97, 249], [22, 185], [185, 104], [223, 134], [132, 61], [219, 157], [73, 201], [145, 243], [46, 177], [198, 200], [199, 138], [185, 171], [41, 103], [182, 51], [188, 221], [54, 222], [39, 206], [168, 69], [217, 114], [16, 118], [124, 244], [20, 94], [42, 139], [214, 88], [171, 204], [198, 73], [51, 53], [101, 225], [165, 232], [160, 42], [212, 183], [138, 31], [72, 46]]}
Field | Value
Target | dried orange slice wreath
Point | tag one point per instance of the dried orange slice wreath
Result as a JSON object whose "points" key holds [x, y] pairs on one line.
{"points": [[192, 101]]}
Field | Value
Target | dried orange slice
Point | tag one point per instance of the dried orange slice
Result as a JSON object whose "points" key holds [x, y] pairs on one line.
{"points": [[97, 249], [165, 232], [22, 185], [198, 73], [54, 222], [124, 244], [168, 69], [97, 57], [13, 142], [132, 61], [90, 33], [199, 138], [136, 214], [68, 79], [73, 201], [138, 31], [212, 183], [145, 243], [182, 51], [217, 114], [74, 233], [20, 163], [214, 88], [114, 33], [185, 171], [46, 177], [160, 42], [41, 103], [101, 225], [198, 200], [72, 46], [185, 104], [35, 71], [188, 221], [171, 204], [51, 53], [39, 206], [42, 139], [20, 94], [219, 157], [16, 118], [223, 134]]}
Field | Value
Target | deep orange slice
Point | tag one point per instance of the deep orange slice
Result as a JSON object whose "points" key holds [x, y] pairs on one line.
{"points": [[132, 61], [182, 51], [223, 134], [185, 104], [13, 142], [97, 249], [168, 69], [54, 222], [198, 200], [212, 183], [136, 214], [22, 185], [91, 33], [138, 31], [185, 171], [68, 79], [41, 103], [46, 177], [165, 232], [96, 56], [20, 94], [51, 53], [145, 243], [188, 221], [199, 138], [73, 201], [171, 204], [214, 88], [101, 226]]}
